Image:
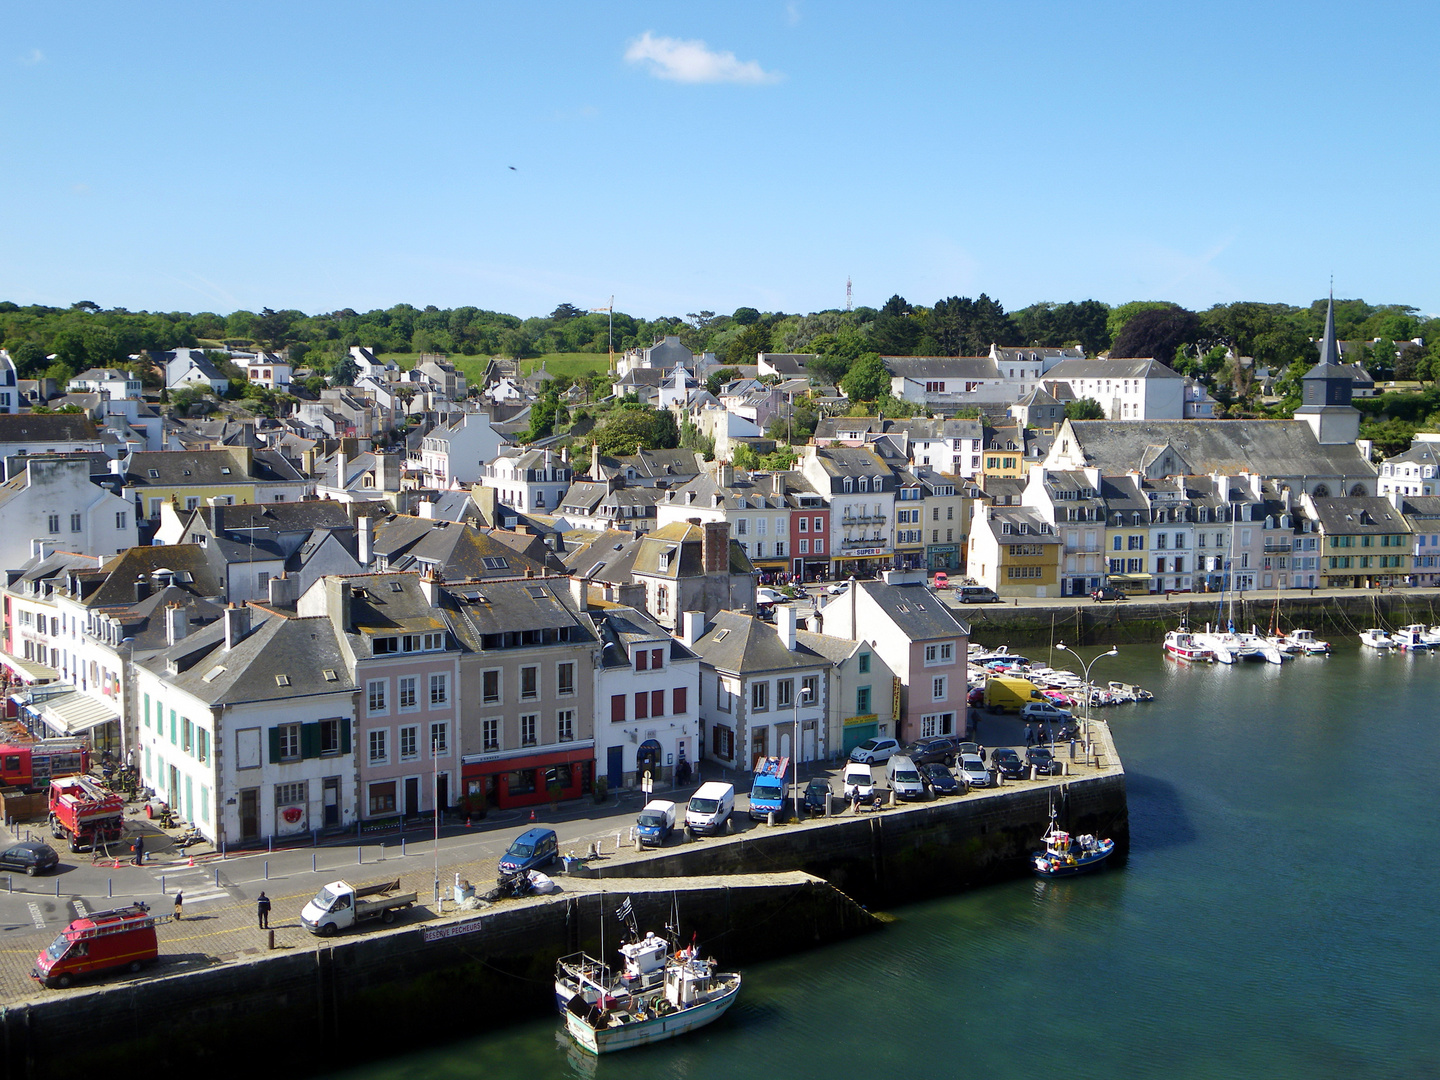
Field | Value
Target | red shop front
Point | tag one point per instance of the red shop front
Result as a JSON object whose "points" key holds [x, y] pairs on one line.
{"points": [[506, 782]]}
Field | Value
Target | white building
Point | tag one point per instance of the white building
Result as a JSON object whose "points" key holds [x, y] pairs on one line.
{"points": [[53, 499], [529, 480], [1412, 472], [1140, 389], [458, 452]]}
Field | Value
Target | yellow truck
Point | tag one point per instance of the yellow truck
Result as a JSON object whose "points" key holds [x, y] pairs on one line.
{"points": [[1008, 693]]}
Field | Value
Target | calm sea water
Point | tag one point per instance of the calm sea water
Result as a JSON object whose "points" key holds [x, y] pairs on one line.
{"points": [[1276, 918]]}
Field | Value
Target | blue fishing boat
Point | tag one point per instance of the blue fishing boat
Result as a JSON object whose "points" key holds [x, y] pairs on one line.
{"points": [[1066, 855]]}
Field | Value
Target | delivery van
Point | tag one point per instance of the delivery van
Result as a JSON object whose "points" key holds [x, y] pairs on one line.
{"points": [[904, 778], [708, 811], [656, 822], [1010, 693], [100, 941]]}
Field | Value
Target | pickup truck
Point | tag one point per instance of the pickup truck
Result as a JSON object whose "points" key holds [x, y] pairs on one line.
{"points": [[340, 905]]}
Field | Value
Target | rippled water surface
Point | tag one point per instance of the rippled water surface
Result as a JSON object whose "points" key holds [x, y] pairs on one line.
{"points": [[1275, 918]]}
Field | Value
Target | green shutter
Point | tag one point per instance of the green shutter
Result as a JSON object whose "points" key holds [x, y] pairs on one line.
{"points": [[344, 735], [174, 730], [309, 740], [274, 746]]}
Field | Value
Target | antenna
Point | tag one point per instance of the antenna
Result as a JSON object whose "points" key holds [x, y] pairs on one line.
{"points": [[849, 295]]}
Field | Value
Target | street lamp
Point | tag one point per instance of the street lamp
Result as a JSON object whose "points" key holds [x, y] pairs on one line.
{"points": [[808, 696], [1087, 688]]}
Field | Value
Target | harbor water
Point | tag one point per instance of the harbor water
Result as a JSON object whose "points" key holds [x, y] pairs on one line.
{"points": [[1276, 918]]}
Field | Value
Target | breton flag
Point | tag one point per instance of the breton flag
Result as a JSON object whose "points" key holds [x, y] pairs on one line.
{"points": [[624, 911]]}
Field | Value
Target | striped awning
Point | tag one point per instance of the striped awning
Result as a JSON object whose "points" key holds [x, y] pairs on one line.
{"points": [[72, 713], [29, 670]]}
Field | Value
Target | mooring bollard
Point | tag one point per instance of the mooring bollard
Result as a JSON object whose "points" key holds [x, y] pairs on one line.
{"points": [[272, 939], [382, 851], [267, 869]]}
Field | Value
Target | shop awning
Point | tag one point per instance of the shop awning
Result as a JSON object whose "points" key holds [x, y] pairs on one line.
{"points": [[1128, 579], [29, 670], [72, 713]]}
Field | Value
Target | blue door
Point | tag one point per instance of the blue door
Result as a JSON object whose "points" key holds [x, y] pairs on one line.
{"points": [[615, 767]]}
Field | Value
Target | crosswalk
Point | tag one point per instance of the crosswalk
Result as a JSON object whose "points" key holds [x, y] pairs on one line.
{"points": [[195, 883]]}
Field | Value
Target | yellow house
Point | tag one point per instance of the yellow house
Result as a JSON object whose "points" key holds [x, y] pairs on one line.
{"points": [[1127, 528], [188, 479], [1014, 551]]}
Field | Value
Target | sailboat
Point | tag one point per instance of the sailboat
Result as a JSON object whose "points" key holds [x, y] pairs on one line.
{"points": [[1231, 645]]}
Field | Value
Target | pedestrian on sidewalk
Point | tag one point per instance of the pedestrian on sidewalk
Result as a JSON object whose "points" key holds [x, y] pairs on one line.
{"points": [[1029, 735], [139, 848], [262, 909], [179, 900]]}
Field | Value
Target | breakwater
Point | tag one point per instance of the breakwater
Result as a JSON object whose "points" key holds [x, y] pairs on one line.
{"points": [[1145, 621]]}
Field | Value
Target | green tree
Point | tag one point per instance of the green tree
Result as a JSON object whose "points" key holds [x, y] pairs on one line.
{"points": [[745, 458], [754, 339], [867, 379], [746, 316], [1084, 409], [343, 373], [273, 328], [719, 378], [628, 430], [1158, 333]]}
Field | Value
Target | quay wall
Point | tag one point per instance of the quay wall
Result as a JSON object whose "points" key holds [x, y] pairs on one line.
{"points": [[361, 997], [1145, 621]]}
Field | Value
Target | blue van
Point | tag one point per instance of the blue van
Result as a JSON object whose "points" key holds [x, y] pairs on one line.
{"points": [[531, 850]]}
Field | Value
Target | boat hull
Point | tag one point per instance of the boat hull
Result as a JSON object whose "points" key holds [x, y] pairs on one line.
{"points": [[1050, 866], [634, 1033]]}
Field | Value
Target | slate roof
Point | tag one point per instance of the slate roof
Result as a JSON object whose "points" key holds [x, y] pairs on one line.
{"points": [[1357, 515], [192, 570], [1119, 368], [916, 611], [622, 627], [301, 651], [497, 607], [456, 550], [941, 367], [745, 645], [1231, 447], [47, 427], [1421, 507], [690, 540], [1419, 453], [1122, 495], [206, 467], [610, 556], [789, 363]]}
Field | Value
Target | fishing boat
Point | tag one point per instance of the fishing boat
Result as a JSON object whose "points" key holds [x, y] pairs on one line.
{"points": [[656, 995], [1065, 855], [1375, 638], [1305, 642], [1412, 638], [1234, 646], [1181, 645]]}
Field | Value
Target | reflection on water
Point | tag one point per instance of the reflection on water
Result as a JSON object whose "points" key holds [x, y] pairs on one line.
{"points": [[1275, 918]]}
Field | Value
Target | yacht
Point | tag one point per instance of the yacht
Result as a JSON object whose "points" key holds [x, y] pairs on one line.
{"points": [[1376, 638]]}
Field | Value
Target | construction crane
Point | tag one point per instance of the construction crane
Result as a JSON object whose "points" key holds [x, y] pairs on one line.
{"points": [[611, 310]]}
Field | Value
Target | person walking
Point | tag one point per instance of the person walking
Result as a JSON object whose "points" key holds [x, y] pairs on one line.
{"points": [[1029, 735], [179, 901], [262, 909]]}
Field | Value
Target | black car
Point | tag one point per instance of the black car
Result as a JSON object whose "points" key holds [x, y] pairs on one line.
{"points": [[940, 779], [1007, 762], [937, 748], [1107, 592], [817, 795], [32, 856], [1043, 761]]}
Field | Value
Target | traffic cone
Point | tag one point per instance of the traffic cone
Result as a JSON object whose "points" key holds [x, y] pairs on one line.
{"points": [[192, 860], [467, 821], [532, 815]]}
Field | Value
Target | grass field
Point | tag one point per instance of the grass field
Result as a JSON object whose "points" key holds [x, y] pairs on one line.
{"points": [[577, 365]]}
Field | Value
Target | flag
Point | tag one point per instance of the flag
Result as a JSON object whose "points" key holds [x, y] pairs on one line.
{"points": [[625, 910]]}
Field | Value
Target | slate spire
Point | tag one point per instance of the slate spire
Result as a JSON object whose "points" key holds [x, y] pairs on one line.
{"points": [[1329, 347]]}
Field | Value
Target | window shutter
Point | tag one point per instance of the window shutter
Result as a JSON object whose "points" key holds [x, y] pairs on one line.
{"points": [[344, 734], [274, 746], [679, 703], [309, 740], [617, 709]]}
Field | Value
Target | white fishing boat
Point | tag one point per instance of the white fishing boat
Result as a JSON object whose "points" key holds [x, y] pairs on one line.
{"points": [[642, 968], [1305, 642], [1181, 645], [1412, 638], [692, 993], [1375, 638]]}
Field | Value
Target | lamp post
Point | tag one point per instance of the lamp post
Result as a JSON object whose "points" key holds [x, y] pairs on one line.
{"points": [[1085, 678], [808, 697]]}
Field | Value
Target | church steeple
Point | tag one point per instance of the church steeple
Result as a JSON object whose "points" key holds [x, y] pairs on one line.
{"points": [[1329, 347], [1326, 390]]}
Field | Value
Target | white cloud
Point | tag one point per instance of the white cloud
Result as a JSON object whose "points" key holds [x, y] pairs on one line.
{"points": [[693, 62], [33, 57]]}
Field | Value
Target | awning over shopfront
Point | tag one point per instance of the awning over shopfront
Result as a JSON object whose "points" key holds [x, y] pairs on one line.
{"points": [[73, 713], [31, 671], [1139, 581]]}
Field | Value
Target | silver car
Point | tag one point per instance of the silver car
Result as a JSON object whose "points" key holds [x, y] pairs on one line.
{"points": [[973, 770]]}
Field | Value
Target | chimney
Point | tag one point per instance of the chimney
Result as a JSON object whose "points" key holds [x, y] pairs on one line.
{"points": [[785, 625], [142, 588], [725, 475], [341, 464], [580, 592], [237, 625], [387, 475], [40, 548], [430, 586], [284, 590], [366, 527], [177, 623], [778, 483], [217, 513], [692, 628], [715, 547], [307, 461], [426, 509]]}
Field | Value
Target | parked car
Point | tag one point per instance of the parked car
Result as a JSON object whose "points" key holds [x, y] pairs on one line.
{"points": [[858, 781], [935, 748], [32, 856], [817, 795], [941, 580], [531, 850], [976, 697], [836, 589], [1045, 712], [974, 771], [1107, 592], [904, 778], [1043, 761], [1007, 763], [875, 751], [976, 594], [971, 748], [940, 779]]}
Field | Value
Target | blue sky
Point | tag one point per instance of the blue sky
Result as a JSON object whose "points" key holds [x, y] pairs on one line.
{"points": [[318, 155]]}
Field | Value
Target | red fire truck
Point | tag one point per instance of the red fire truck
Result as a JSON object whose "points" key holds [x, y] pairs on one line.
{"points": [[31, 766], [85, 813], [97, 942]]}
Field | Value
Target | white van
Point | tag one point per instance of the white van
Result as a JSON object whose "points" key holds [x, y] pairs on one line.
{"points": [[904, 778], [709, 808]]}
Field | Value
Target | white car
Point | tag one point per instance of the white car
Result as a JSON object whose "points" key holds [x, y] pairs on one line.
{"points": [[1045, 712], [835, 590], [973, 770], [875, 751], [858, 781]]}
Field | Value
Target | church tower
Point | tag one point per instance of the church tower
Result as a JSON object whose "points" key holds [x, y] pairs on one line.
{"points": [[1326, 390]]}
